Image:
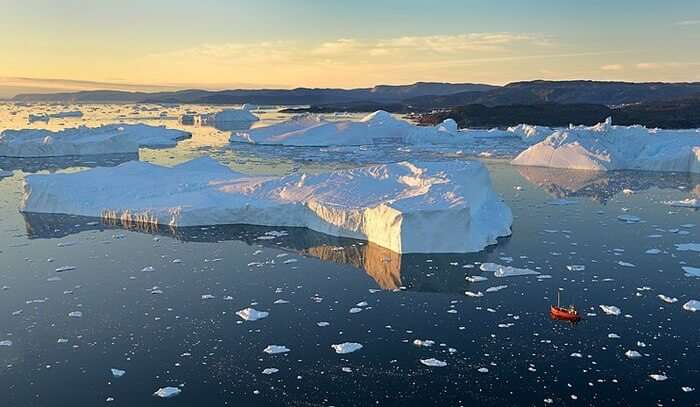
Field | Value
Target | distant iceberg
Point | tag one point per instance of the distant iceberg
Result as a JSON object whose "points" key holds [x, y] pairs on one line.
{"points": [[243, 114], [107, 139], [44, 117], [445, 207], [605, 147], [379, 127]]}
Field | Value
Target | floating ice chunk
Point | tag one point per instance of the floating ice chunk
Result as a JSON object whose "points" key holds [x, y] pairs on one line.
{"points": [[685, 203], [432, 362], [377, 128], [613, 336], [346, 347], [444, 207], [270, 370], [323, 323], [610, 310], [653, 251], [496, 288], [474, 294], [666, 299], [576, 355], [423, 342], [148, 269], [605, 147], [250, 314], [691, 271], [633, 354], [688, 247], [692, 305], [118, 372], [108, 139], [273, 349], [625, 264], [355, 310], [576, 267], [65, 268], [208, 297], [687, 389], [75, 314], [506, 271], [167, 392], [482, 370], [6, 342], [475, 279], [659, 377]]}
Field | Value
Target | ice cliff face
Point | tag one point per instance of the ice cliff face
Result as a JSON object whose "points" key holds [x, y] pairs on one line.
{"points": [[405, 207], [605, 147]]}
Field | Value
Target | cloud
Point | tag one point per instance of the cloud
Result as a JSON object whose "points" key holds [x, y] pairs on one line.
{"points": [[612, 67], [461, 43], [688, 22], [648, 65], [337, 47]]}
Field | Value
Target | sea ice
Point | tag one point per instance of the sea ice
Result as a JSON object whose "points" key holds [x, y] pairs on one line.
{"points": [[610, 310], [250, 314], [691, 271], [273, 349], [688, 247], [506, 271], [167, 392], [692, 305], [605, 147], [118, 372], [633, 354], [667, 299], [107, 139], [432, 362], [346, 347], [685, 203], [444, 207]]}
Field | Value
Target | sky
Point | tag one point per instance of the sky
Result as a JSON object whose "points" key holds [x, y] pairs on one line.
{"points": [[49, 45]]}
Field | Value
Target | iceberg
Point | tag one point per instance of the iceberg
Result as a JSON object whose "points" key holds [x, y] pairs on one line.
{"points": [[167, 392], [692, 305], [346, 347], [423, 207], [605, 147], [231, 115], [107, 139], [379, 127]]}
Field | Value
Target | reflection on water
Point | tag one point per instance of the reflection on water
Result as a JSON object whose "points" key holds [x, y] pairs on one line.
{"points": [[603, 185], [35, 164], [390, 270]]}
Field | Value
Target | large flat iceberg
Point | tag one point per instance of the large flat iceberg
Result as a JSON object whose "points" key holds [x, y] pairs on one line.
{"points": [[445, 207], [377, 128], [107, 139], [605, 147]]}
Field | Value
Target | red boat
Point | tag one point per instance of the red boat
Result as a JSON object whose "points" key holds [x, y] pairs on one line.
{"points": [[564, 313]]}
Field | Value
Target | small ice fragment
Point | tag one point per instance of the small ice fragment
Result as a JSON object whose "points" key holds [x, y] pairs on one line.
{"points": [[355, 310], [423, 342], [658, 377], [475, 279], [506, 271], [75, 314], [666, 299], [150, 268], [691, 271], [629, 218], [118, 372], [653, 251], [688, 247], [346, 347], [474, 294], [270, 370], [692, 305], [273, 349], [613, 336], [167, 392], [633, 354], [625, 264], [432, 362], [687, 389], [323, 323], [251, 314], [610, 310], [65, 268], [496, 288], [576, 267], [482, 370], [6, 342]]}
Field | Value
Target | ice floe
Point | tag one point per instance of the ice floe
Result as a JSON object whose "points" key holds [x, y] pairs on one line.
{"points": [[107, 139], [251, 314], [405, 207], [432, 362], [685, 203], [605, 147], [167, 392], [379, 127], [346, 347], [688, 247], [610, 310], [692, 305], [118, 372], [507, 271], [274, 349], [691, 271]]}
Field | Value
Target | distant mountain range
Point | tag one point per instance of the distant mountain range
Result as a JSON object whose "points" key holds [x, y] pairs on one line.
{"points": [[298, 96], [421, 96]]}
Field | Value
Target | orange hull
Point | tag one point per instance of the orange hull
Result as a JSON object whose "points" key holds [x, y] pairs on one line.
{"points": [[563, 313]]}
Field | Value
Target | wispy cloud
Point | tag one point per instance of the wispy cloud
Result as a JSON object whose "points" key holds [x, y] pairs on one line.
{"points": [[612, 67], [688, 22]]}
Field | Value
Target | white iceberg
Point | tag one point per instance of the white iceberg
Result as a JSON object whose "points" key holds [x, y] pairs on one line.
{"points": [[507, 271], [605, 147], [691, 271], [167, 392], [685, 203], [692, 305], [346, 347], [230, 116], [688, 247], [107, 139], [446, 207], [379, 127], [118, 372], [432, 362], [250, 314], [610, 310], [274, 349]]}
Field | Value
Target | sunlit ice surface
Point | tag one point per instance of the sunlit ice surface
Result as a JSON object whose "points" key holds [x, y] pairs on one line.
{"points": [[81, 296]]}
